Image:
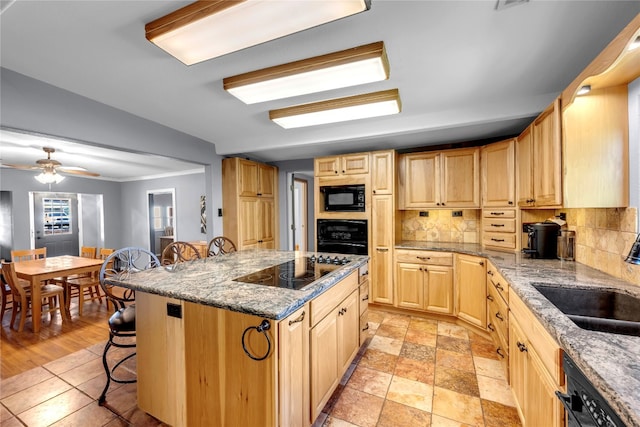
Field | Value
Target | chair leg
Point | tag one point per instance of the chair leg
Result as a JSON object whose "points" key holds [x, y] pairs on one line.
{"points": [[14, 313], [103, 395], [5, 296]]}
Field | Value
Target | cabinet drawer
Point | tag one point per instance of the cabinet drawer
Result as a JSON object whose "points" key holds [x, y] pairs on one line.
{"points": [[364, 296], [499, 240], [499, 225], [499, 213], [364, 326], [326, 302], [424, 257], [498, 315], [497, 282], [501, 347]]}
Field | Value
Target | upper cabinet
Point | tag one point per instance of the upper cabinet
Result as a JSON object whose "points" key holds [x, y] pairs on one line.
{"points": [[440, 179], [498, 174], [348, 164], [256, 179], [539, 161], [382, 172]]}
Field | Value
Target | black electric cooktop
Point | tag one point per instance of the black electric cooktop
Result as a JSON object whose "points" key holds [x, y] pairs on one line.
{"points": [[295, 274]]}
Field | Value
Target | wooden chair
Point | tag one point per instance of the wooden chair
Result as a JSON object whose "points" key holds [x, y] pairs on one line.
{"points": [[6, 295], [28, 254], [122, 323], [86, 286], [179, 252], [220, 245], [22, 296]]}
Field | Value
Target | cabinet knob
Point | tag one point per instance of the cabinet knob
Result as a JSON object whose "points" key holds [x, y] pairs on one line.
{"points": [[342, 171], [374, 191], [510, 202], [443, 204], [437, 204], [481, 263]]}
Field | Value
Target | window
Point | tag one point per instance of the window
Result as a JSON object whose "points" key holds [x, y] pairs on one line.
{"points": [[56, 216]]}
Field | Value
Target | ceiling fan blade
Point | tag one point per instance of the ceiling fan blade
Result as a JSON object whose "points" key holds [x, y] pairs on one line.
{"points": [[77, 171], [28, 167]]}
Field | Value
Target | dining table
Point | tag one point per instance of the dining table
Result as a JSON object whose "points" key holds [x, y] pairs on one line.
{"points": [[38, 270]]}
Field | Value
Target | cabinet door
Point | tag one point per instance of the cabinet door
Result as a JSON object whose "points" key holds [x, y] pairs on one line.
{"points": [[547, 182], [248, 225], [524, 152], [348, 330], [266, 181], [461, 178], [266, 223], [355, 163], [471, 289], [409, 285], [382, 250], [248, 176], [438, 289], [324, 362], [498, 174], [542, 407], [382, 172], [293, 369], [421, 180], [326, 166], [517, 365]]}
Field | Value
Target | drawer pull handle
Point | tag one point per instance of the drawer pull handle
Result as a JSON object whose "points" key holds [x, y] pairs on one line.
{"points": [[497, 225], [497, 240], [499, 316], [490, 327], [366, 297], [489, 297], [297, 319], [497, 213], [424, 258], [499, 287], [365, 328], [490, 273], [522, 347], [342, 311], [499, 351], [382, 249], [481, 263]]}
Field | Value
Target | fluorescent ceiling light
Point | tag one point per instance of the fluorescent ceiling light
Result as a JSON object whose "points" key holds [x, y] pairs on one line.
{"points": [[339, 110], [208, 29], [351, 67]]}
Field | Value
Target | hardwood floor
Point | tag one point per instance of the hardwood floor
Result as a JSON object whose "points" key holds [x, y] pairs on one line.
{"points": [[22, 351]]}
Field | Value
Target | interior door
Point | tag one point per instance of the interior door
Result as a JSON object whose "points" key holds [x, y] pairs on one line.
{"points": [[300, 214], [55, 222]]}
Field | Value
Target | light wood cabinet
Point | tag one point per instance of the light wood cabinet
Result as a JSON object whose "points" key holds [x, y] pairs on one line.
{"points": [[382, 172], [382, 249], [500, 228], [440, 179], [498, 174], [539, 160], [424, 281], [348, 164], [471, 289], [249, 191]]}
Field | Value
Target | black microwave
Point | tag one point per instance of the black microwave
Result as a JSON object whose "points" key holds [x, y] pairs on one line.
{"points": [[343, 198]]}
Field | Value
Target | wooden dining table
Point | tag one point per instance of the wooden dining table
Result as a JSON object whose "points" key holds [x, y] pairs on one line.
{"points": [[38, 270]]}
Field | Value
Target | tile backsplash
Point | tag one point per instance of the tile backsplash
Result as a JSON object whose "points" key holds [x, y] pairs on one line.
{"points": [[441, 226], [604, 238]]}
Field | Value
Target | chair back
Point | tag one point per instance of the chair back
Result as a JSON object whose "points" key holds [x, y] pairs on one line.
{"points": [[105, 252], [179, 252], [10, 276], [88, 252], [220, 245], [28, 254], [121, 264], [168, 231]]}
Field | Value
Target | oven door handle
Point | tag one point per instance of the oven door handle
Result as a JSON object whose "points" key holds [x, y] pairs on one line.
{"points": [[571, 403]]}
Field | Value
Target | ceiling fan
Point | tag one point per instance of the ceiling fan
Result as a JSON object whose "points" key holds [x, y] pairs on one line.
{"points": [[50, 168]]}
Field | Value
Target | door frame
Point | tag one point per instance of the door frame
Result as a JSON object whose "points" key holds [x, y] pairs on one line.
{"points": [[171, 191]]}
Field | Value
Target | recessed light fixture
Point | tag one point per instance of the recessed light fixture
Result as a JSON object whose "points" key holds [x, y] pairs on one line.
{"points": [[339, 110], [584, 90], [351, 67], [210, 28]]}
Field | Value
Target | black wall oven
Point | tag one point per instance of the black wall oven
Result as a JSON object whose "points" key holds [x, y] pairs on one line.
{"points": [[343, 236]]}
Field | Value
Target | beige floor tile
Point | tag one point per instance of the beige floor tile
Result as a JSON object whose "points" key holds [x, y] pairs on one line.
{"points": [[4, 414], [12, 422], [415, 370], [379, 360], [397, 320], [459, 381], [387, 345], [35, 395], [84, 372], [411, 393], [357, 407], [495, 390], [423, 325], [499, 415], [423, 353], [457, 406], [391, 331], [91, 414], [421, 337], [24, 380], [489, 368], [94, 386], [439, 421], [370, 381], [71, 361], [452, 330], [55, 409], [398, 415], [449, 343], [451, 359]]}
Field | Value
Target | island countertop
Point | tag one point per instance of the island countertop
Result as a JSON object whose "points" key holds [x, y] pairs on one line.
{"points": [[610, 361], [209, 281]]}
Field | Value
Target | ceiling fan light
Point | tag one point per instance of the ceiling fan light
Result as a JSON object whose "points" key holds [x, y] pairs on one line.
{"points": [[49, 177], [208, 29], [368, 105], [351, 67]]}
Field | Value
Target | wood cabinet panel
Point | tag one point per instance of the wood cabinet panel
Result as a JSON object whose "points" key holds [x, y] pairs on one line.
{"points": [[439, 289], [349, 164], [382, 172], [421, 180], [524, 176], [461, 178], [471, 289], [409, 286], [498, 174], [424, 257], [382, 249]]}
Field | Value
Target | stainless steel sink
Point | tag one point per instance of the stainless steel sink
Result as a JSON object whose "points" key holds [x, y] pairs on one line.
{"points": [[596, 309]]}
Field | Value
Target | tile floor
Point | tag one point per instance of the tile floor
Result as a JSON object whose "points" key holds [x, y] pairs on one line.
{"points": [[413, 372]]}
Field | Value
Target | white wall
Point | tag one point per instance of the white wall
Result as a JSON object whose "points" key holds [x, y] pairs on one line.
{"points": [[634, 145]]}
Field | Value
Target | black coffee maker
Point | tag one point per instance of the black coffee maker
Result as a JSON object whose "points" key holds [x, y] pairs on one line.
{"points": [[542, 240]]}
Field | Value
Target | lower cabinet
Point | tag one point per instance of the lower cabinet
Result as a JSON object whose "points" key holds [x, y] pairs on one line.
{"points": [[471, 289], [425, 287]]}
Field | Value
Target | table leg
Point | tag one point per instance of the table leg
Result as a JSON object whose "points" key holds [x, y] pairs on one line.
{"points": [[36, 304]]}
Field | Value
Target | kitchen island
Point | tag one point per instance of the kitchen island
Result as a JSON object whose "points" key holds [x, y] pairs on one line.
{"points": [[217, 351]]}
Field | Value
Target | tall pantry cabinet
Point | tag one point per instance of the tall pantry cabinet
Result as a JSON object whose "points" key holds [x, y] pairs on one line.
{"points": [[249, 195]]}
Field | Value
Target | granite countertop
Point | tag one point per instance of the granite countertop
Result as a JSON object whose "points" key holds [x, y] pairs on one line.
{"points": [[610, 361], [209, 281]]}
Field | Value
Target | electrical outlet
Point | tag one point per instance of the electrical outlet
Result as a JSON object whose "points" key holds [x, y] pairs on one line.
{"points": [[219, 211], [424, 213], [456, 213]]}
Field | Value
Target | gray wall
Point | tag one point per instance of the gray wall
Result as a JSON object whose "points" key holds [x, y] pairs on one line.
{"points": [[634, 145]]}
